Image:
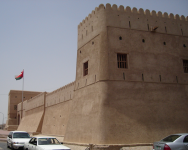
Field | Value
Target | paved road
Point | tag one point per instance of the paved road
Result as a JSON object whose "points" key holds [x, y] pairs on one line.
{"points": [[3, 146]]}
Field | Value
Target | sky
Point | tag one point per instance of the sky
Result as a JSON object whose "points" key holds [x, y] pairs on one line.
{"points": [[40, 36]]}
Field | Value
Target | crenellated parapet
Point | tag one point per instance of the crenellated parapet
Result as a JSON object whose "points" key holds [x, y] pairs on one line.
{"points": [[60, 95], [91, 25], [24, 105], [19, 106], [125, 17], [133, 11], [35, 102]]}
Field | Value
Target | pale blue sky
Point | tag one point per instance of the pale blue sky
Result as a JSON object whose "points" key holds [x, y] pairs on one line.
{"points": [[40, 36]]}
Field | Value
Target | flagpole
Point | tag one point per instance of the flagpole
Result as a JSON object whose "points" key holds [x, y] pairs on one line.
{"points": [[22, 94]]}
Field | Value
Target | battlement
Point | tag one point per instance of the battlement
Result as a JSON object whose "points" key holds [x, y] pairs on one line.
{"points": [[134, 18], [19, 106], [61, 88], [135, 11], [60, 95], [35, 102]]}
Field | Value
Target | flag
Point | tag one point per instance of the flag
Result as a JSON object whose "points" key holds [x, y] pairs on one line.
{"points": [[18, 77]]}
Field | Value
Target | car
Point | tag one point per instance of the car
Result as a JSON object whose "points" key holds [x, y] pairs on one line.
{"points": [[44, 143], [17, 139], [172, 142]]}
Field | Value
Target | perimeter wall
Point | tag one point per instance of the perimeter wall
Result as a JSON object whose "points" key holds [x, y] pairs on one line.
{"points": [[33, 114], [57, 109]]}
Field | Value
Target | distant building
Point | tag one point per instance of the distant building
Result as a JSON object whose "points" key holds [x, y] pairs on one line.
{"points": [[15, 97], [131, 81]]}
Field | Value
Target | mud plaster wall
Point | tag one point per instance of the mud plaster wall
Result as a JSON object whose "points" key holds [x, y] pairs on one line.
{"points": [[56, 118], [57, 109], [31, 121], [33, 114]]}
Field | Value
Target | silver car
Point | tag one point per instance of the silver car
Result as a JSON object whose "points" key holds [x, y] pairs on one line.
{"points": [[16, 139], [172, 142]]}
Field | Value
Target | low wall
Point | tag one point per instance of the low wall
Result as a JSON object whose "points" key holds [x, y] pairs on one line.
{"points": [[56, 118], [57, 110], [32, 120], [33, 114]]}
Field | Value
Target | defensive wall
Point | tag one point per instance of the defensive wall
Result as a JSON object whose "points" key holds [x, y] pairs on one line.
{"points": [[21, 111], [33, 115], [142, 102], [57, 109], [136, 103], [47, 113]]}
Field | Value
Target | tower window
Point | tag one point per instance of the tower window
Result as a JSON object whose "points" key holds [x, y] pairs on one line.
{"points": [[185, 66], [122, 60], [85, 68]]}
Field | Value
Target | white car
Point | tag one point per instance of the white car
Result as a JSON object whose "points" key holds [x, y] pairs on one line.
{"points": [[17, 139], [44, 143]]}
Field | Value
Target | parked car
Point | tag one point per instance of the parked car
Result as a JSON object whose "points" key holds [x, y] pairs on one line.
{"points": [[16, 139], [172, 142], [44, 143]]}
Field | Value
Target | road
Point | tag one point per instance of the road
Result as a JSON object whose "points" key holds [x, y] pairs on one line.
{"points": [[3, 146]]}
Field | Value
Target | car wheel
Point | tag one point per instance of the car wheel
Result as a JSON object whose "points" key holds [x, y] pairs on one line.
{"points": [[25, 148], [12, 147], [7, 145]]}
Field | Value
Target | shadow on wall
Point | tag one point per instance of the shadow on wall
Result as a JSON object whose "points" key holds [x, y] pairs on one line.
{"points": [[137, 112]]}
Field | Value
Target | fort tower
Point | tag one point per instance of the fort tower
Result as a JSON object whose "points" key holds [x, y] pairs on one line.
{"points": [[131, 77]]}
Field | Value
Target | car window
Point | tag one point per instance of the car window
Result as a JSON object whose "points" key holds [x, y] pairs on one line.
{"points": [[47, 141], [171, 138], [10, 135], [35, 141], [31, 141], [54, 141], [21, 135], [185, 139]]}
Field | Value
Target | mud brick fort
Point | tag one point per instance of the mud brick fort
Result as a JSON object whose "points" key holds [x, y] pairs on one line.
{"points": [[131, 82]]}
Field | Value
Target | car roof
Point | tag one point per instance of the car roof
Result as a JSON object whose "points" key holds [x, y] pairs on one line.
{"points": [[180, 134], [19, 131], [43, 137]]}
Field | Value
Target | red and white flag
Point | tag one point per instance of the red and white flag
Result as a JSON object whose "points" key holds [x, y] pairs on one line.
{"points": [[18, 77]]}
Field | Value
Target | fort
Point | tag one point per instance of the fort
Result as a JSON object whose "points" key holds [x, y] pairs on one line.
{"points": [[131, 83]]}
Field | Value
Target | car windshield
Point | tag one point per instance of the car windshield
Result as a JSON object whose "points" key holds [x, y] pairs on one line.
{"points": [[21, 135], [171, 138], [48, 141]]}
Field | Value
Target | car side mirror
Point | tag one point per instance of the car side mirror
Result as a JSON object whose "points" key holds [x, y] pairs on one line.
{"points": [[10, 136]]}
